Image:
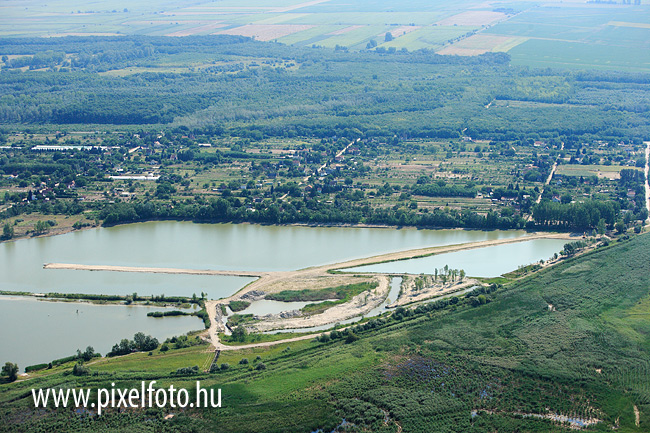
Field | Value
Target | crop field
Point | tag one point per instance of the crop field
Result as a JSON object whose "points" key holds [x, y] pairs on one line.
{"points": [[265, 32], [482, 43], [588, 36], [472, 18], [602, 171], [432, 37], [321, 22], [563, 34]]}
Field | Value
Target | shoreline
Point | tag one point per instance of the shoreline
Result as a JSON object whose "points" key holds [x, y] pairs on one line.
{"points": [[59, 231], [150, 270], [337, 268], [98, 303], [325, 275]]}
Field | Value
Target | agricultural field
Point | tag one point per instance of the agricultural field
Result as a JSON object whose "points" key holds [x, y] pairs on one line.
{"points": [[595, 36], [580, 37]]}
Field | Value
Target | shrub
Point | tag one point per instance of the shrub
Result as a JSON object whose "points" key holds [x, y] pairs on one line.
{"points": [[80, 370], [187, 371], [351, 338]]}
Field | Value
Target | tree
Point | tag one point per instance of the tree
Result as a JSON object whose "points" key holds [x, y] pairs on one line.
{"points": [[601, 227], [389, 37], [144, 343], [10, 370], [239, 334], [7, 231], [139, 340], [462, 274], [41, 227], [620, 227], [87, 355]]}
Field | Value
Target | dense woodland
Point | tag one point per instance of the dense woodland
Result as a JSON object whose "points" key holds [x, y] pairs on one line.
{"points": [[286, 91]]}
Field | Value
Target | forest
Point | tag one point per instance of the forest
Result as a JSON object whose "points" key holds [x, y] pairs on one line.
{"points": [[286, 91]]}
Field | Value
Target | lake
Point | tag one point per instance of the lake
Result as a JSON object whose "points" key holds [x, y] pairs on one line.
{"points": [[42, 331], [200, 246], [478, 262]]}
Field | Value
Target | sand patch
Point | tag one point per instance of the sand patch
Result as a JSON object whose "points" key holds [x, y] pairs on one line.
{"points": [[410, 294], [359, 305], [265, 32], [480, 44], [626, 24], [196, 30], [345, 30], [472, 18]]}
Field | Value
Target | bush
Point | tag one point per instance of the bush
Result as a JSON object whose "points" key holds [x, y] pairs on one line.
{"points": [[351, 338], [36, 367], [260, 366], [187, 371], [238, 305], [243, 361], [225, 366], [239, 334], [80, 370]]}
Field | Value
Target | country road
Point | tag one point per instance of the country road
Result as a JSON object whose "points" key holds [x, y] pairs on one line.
{"points": [[549, 178], [647, 179]]}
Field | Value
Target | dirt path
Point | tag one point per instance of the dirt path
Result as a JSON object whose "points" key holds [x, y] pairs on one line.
{"points": [[647, 179], [221, 346], [549, 178]]}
